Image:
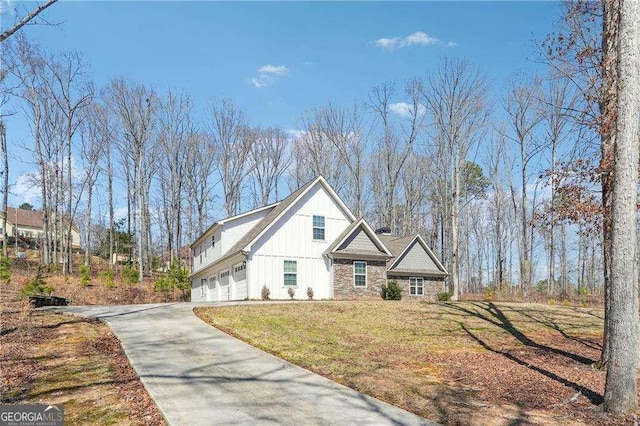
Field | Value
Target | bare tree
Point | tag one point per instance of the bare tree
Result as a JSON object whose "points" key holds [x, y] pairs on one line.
{"points": [[72, 92], [456, 96], [394, 144], [523, 118], [621, 393], [135, 107], [233, 138], [28, 18], [200, 184], [174, 128], [270, 159]]}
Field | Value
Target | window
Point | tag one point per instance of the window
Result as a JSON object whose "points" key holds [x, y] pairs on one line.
{"points": [[200, 250], [290, 272], [416, 286], [240, 267], [360, 274], [203, 287], [318, 228], [212, 282], [213, 241], [224, 274]]}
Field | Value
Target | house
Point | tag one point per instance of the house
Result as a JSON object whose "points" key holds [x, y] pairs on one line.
{"points": [[310, 239], [29, 226]]}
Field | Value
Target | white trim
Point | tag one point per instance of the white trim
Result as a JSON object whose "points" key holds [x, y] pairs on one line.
{"points": [[366, 274], [416, 286], [326, 186], [427, 249], [370, 232], [284, 273]]}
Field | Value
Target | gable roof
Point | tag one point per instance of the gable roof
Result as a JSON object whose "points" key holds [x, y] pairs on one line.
{"points": [[221, 222], [278, 211], [335, 247], [399, 246]]}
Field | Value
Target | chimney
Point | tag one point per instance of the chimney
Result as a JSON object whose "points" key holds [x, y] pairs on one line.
{"points": [[385, 230]]}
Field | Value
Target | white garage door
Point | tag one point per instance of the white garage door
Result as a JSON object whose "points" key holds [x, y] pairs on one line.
{"points": [[240, 278], [225, 291], [213, 290]]}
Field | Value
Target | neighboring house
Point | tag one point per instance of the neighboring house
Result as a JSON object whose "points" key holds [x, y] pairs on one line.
{"points": [[308, 240], [28, 224]]}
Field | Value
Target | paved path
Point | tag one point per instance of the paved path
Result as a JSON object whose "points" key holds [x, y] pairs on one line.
{"points": [[199, 375]]}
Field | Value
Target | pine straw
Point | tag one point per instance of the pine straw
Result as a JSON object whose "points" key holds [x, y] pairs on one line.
{"points": [[60, 359], [456, 363]]}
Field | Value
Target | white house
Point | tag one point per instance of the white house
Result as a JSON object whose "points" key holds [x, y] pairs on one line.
{"points": [[308, 240]]}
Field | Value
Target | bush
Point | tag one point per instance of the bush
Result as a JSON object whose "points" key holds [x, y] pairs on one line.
{"points": [[489, 294], [37, 285], [130, 275], [107, 276], [445, 296], [177, 278], [265, 292], [391, 291], [85, 275], [291, 292], [310, 293], [5, 272]]}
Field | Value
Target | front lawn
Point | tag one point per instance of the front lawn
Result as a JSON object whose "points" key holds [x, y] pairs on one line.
{"points": [[456, 363]]}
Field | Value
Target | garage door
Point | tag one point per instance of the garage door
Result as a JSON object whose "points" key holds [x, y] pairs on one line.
{"points": [[240, 278], [225, 291], [213, 289]]}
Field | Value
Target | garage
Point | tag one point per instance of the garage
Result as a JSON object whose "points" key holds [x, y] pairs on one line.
{"points": [[225, 291], [240, 279]]}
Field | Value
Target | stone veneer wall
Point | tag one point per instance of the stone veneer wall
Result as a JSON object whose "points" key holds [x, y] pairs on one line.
{"points": [[343, 287], [432, 286]]}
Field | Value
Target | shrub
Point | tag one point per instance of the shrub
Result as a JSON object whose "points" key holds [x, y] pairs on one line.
{"points": [[265, 292], [5, 272], [489, 294], [445, 296], [310, 293], [85, 275], [177, 278], [391, 291], [130, 275], [37, 285], [291, 292], [107, 276]]}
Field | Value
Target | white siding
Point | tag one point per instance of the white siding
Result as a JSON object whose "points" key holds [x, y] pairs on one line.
{"points": [[291, 238], [226, 236]]}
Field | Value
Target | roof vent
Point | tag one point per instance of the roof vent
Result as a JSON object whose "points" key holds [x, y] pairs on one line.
{"points": [[385, 230]]}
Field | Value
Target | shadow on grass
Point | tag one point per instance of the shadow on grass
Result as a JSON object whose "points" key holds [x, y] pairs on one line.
{"points": [[496, 317]]}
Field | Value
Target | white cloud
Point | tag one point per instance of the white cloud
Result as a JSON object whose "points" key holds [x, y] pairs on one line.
{"points": [[419, 38], [268, 75], [26, 189], [295, 133], [404, 109]]}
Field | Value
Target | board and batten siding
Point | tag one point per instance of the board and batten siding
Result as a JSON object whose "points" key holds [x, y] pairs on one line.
{"points": [[291, 238], [417, 258]]}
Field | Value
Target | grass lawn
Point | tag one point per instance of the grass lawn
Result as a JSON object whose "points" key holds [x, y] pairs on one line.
{"points": [[456, 363]]}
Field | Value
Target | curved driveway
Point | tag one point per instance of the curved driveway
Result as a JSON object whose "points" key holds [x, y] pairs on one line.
{"points": [[199, 375]]}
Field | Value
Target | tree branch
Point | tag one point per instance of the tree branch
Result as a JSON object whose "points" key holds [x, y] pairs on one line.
{"points": [[8, 33]]}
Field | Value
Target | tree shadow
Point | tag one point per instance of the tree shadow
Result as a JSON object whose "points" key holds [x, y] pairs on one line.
{"points": [[594, 397], [499, 319]]}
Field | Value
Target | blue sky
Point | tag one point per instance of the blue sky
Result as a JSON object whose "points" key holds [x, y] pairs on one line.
{"points": [[278, 59]]}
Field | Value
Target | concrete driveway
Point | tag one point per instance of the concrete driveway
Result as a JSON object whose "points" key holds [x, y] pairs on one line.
{"points": [[199, 375]]}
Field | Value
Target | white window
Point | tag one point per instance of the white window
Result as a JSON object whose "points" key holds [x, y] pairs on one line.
{"points": [[200, 249], [203, 287], [212, 282], [224, 274], [318, 228], [213, 241], [360, 274], [240, 267], [290, 272], [416, 286]]}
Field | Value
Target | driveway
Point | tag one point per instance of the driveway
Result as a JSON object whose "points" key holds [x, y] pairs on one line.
{"points": [[199, 375]]}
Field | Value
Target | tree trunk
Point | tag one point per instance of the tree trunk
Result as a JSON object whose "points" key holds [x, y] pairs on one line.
{"points": [[5, 187], [621, 393]]}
